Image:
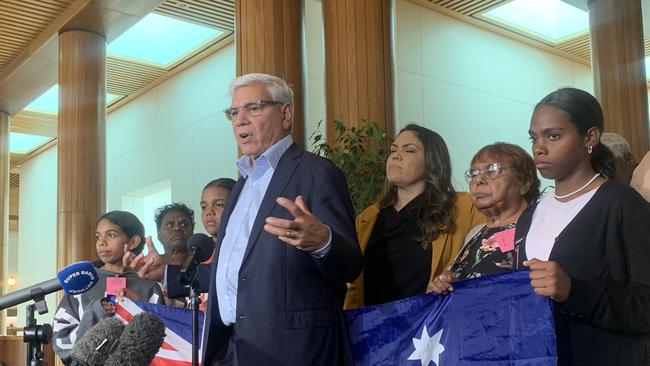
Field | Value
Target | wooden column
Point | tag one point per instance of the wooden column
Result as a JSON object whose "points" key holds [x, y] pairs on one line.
{"points": [[81, 143], [268, 40], [5, 120], [358, 71], [617, 58]]}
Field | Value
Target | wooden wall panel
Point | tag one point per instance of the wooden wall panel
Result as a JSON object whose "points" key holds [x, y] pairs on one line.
{"points": [[13, 351], [268, 40], [81, 143], [358, 71], [617, 48]]}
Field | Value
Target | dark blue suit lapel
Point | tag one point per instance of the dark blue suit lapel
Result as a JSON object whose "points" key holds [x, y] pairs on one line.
{"points": [[281, 177]]}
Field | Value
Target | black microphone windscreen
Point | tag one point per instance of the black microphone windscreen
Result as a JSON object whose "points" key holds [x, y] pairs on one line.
{"points": [[93, 348], [140, 341], [204, 246]]}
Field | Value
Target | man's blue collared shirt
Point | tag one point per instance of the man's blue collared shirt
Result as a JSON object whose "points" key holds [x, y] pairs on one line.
{"points": [[238, 231]]}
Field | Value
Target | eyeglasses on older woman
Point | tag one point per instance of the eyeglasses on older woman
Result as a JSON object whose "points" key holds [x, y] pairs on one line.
{"points": [[491, 171]]}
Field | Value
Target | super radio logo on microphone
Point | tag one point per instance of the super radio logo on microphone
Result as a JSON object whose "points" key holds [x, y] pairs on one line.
{"points": [[88, 277], [78, 277]]}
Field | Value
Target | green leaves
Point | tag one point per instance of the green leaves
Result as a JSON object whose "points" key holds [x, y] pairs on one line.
{"points": [[361, 153]]}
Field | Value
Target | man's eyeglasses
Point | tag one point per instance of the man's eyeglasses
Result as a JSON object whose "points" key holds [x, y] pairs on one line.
{"points": [[252, 109], [492, 171]]}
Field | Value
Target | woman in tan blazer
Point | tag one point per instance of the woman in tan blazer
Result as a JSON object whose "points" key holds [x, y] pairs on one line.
{"points": [[417, 227]]}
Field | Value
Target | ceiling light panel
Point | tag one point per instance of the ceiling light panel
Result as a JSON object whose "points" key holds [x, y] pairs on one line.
{"points": [[551, 20], [161, 40]]}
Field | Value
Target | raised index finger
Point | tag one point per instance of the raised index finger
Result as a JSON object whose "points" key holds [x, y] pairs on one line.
{"points": [[150, 247], [127, 258]]}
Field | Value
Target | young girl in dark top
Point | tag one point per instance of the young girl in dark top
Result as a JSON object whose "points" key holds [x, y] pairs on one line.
{"points": [[588, 244], [213, 200]]}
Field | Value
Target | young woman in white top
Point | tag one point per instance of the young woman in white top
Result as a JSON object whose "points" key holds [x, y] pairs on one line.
{"points": [[588, 244]]}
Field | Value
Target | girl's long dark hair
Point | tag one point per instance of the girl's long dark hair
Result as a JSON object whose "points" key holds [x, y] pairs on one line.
{"points": [[584, 111], [436, 209], [130, 225]]}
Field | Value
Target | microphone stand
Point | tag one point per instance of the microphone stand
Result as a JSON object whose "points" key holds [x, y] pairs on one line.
{"points": [[36, 335], [194, 305], [192, 282]]}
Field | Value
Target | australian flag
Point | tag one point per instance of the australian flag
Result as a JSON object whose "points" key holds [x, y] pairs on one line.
{"points": [[176, 349], [495, 320]]}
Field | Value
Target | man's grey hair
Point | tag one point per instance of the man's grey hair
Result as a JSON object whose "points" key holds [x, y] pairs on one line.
{"points": [[276, 87], [616, 143]]}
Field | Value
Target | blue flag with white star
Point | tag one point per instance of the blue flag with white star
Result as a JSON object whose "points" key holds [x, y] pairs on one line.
{"points": [[493, 320]]}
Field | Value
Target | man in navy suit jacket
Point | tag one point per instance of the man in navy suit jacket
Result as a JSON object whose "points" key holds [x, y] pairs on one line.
{"points": [[287, 244]]}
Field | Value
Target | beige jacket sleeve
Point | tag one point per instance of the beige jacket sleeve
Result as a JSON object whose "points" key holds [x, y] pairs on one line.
{"points": [[641, 177]]}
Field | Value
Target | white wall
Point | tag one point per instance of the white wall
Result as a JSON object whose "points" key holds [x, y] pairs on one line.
{"points": [[314, 70], [37, 227], [176, 131], [472, 86]]}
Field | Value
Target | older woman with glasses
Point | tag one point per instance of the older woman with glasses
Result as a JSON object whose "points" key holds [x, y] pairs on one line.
{"points": [[502, 183]]}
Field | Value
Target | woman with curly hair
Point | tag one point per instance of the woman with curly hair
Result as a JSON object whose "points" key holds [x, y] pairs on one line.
{"points": [[417, 227]]}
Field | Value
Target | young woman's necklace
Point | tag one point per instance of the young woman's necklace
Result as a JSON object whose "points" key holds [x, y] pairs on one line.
{"points": [[577, 190]]}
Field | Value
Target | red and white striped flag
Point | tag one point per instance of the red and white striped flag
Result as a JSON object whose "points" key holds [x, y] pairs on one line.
{"points": [[176, 349]]}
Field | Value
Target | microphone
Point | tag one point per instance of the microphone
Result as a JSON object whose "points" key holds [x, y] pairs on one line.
{"points": [[139, 342], [74, 279], [200, 248], [93, 348]]}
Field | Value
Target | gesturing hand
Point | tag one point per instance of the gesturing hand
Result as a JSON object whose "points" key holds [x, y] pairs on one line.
{"points": [[108, 306], [150, 266], [305, 232], [127, 293], [441, 284], [549, 279]]}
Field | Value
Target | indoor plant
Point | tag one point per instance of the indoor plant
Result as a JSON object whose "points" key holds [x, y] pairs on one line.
{"points": [[360, 152]]}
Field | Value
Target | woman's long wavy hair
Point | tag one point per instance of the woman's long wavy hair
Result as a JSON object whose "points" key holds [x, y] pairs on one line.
{"points": [[436, 209]]}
